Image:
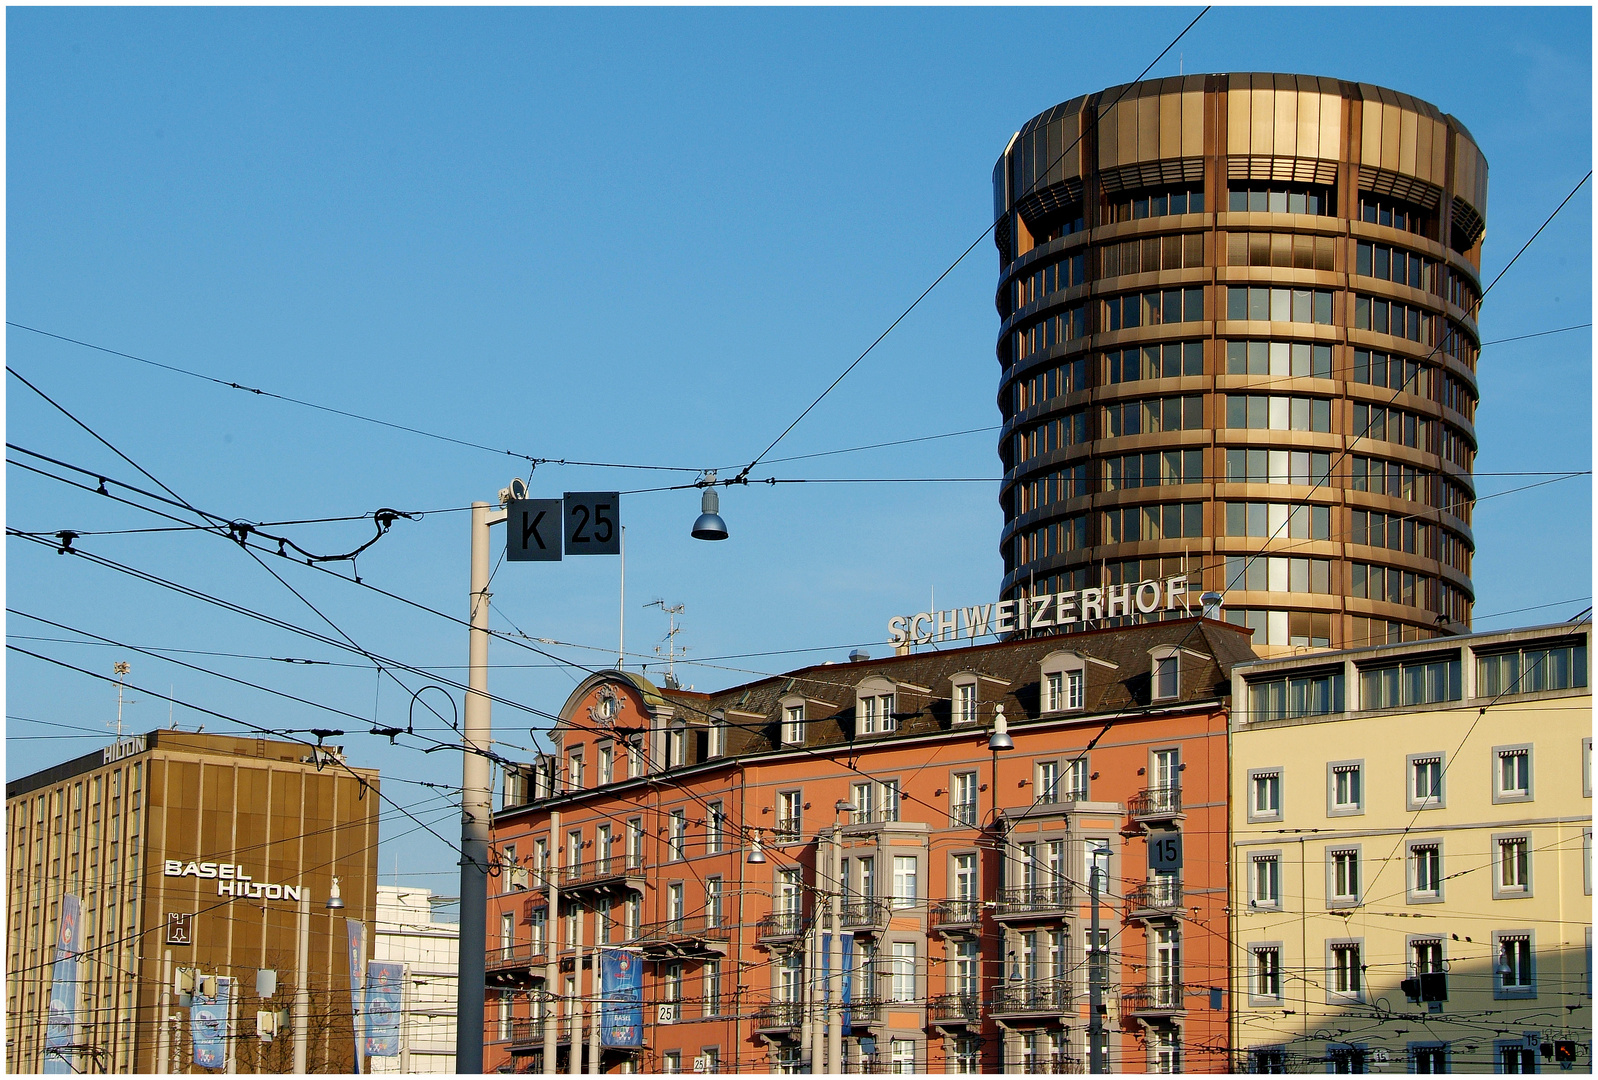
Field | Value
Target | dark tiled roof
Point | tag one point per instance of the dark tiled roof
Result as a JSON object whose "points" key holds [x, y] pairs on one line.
{"points": [[1120, 681]]}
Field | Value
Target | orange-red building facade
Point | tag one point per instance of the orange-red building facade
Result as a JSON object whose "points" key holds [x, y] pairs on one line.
{"points": [[964, 872]]}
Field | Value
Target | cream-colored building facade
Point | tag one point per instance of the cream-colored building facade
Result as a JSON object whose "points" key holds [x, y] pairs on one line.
{"points": [[1412, 856]]}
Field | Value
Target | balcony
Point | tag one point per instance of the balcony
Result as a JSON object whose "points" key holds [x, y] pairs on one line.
{"points": [[602, 875], [1155, 806], [512, 966], [780, 926], [957, 916], [527, 1031], [779, 1016], [1153, 1001], [864, 1012], [1160, 899], [1049, 1063], [861, 820], [788, 830], [1033, 902], [951, 1010], [865, 913], [699, 936], [1015, 998]]}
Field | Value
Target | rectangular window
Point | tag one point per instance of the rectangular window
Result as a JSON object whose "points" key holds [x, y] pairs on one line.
{"points": [[1290, 696], [1347, 788], [1345, 976], [1265, 881], [890, 801], [677, 835], [863, 799], [1048, 782], [1426, 871], [1512, 777], [574, 770], [1054, 691], [1265, 795], [712, 971], [1417, 682], [1076, 779], [1425, 781], [675, 905], [965, 877], [963, 801], [904, 881], [1267, 971], [713, 908], [965, 703], [793, 725], [1516, 976], [1344, 876], [904, 970], [715, 827], [607, 765], [790, 807], [1532, 670], [1514, 867]]}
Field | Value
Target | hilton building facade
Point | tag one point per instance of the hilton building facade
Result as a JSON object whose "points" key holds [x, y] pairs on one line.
{"points": [[1238, 319], [228, 834]]}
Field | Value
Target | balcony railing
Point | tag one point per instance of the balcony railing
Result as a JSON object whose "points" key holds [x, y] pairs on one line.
{"points": [[703, 930], [876, 816], [864, 911], [595, 871], [1048, 1063], [864, 1011], [508, 957], [779, 1016], [527, 1031], [956, 914], [1154, 898], [1017, 996], [788, 830], [780, 924], [956, 1009], [1152, 998], [1032, 900], [1155, 803]]}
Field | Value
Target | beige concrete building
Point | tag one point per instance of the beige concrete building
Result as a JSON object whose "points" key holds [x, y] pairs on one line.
{"points": [[1238, 317], [1412, 856]]}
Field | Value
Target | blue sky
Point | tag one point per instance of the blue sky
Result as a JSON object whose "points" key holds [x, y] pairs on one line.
{"points": [[637, 236]]}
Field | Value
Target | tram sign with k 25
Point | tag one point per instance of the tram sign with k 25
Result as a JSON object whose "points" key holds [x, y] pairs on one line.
{"points": [[593, 523]]}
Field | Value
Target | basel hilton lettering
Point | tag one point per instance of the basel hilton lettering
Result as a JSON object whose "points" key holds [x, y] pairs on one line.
{"points": [[231, 880], [1037, 612]]}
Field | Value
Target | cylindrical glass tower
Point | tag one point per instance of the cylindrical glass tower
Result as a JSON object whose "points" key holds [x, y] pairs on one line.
{"points": [[1239, 318]]}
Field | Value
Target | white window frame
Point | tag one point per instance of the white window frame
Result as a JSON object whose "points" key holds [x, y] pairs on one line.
{"points": [[1076, 778], [964, 703], [1334, 969], [1342, 856], [1046, 781], [715, 827], [1257, 971], [607, 763], [1272, 779], [1526, 979], [963, 811], [1502, 794], [793, 724], [1503, 888], [716, 743], [876, 700], [1165, 673], [790, 817], [1413, 799], [1415, 894], [1257, 901], [906, 881], [1335, 771], [677, 835], [574, 769]]}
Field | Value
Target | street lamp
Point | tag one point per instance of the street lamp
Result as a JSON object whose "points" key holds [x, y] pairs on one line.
{"points": [[709, 526], [302, 964], [756, 855]]}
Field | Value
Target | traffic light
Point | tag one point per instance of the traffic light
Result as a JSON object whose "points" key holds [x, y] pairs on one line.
{"points": [[1565, 1051], [1411, 989], [1433, 986]]}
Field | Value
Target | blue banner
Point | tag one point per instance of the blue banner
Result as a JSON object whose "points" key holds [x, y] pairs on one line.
{"points": [[385, 985], [621, 990], [62, 1028], [356, 932], [208, 1023], [846, 965]]}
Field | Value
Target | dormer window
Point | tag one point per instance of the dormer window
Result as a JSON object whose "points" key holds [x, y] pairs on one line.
{"points": [[1165, 672], [716, 744], [874, 704], [1063, 684], [793, 721], [965, 702]]}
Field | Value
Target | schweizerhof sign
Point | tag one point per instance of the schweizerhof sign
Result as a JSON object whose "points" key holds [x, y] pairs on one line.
{"points": [[1050, 610]]}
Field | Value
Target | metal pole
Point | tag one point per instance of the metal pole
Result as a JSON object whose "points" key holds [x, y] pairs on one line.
{"points": [[231, 1047], [163, 1033], [835, 957], [405, 1020], [552, 945], [476, 808], [593, 1007], [575, 1064], [807, 1045], [1095, 980], [302, 987]]}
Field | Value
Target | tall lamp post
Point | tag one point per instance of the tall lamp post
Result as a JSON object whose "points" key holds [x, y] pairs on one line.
{"points": [[302, 966], [999, 740]]}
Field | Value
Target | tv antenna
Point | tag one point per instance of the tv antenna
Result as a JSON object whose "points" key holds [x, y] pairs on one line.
{"points": [[120, 670], [671, 639]]}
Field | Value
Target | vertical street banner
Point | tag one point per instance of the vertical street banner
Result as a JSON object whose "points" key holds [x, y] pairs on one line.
{"points": [[621, 989], [208, 1025], [845, 965], [356, 932], [385, 983], [62, 1027]]}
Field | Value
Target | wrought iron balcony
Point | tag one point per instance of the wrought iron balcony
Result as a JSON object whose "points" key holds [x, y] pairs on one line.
{"points": [[527, 1031], [957, 915], [1018, 997], [513, 965], [956, 1009], [1033, 901], [1155, 804], [1159, 899], [864, 912], [779, 1016], [780, 925], [865, 1011], [603, 873], [788, 830], [1152, 1000], [691, 935], [1049, 1063], [880, 815]]}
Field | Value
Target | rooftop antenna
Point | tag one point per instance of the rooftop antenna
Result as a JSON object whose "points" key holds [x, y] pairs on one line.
{"points": [[671, 638], [120, 670]]}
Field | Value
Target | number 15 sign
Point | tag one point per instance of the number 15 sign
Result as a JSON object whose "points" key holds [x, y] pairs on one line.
{"points": [[583, 523]]}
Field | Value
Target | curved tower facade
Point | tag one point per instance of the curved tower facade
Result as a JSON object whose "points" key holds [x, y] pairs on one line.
{"points": [[1238, 318]]}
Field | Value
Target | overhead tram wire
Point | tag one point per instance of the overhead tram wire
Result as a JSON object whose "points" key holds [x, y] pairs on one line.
{"points": [[743, 475]]}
